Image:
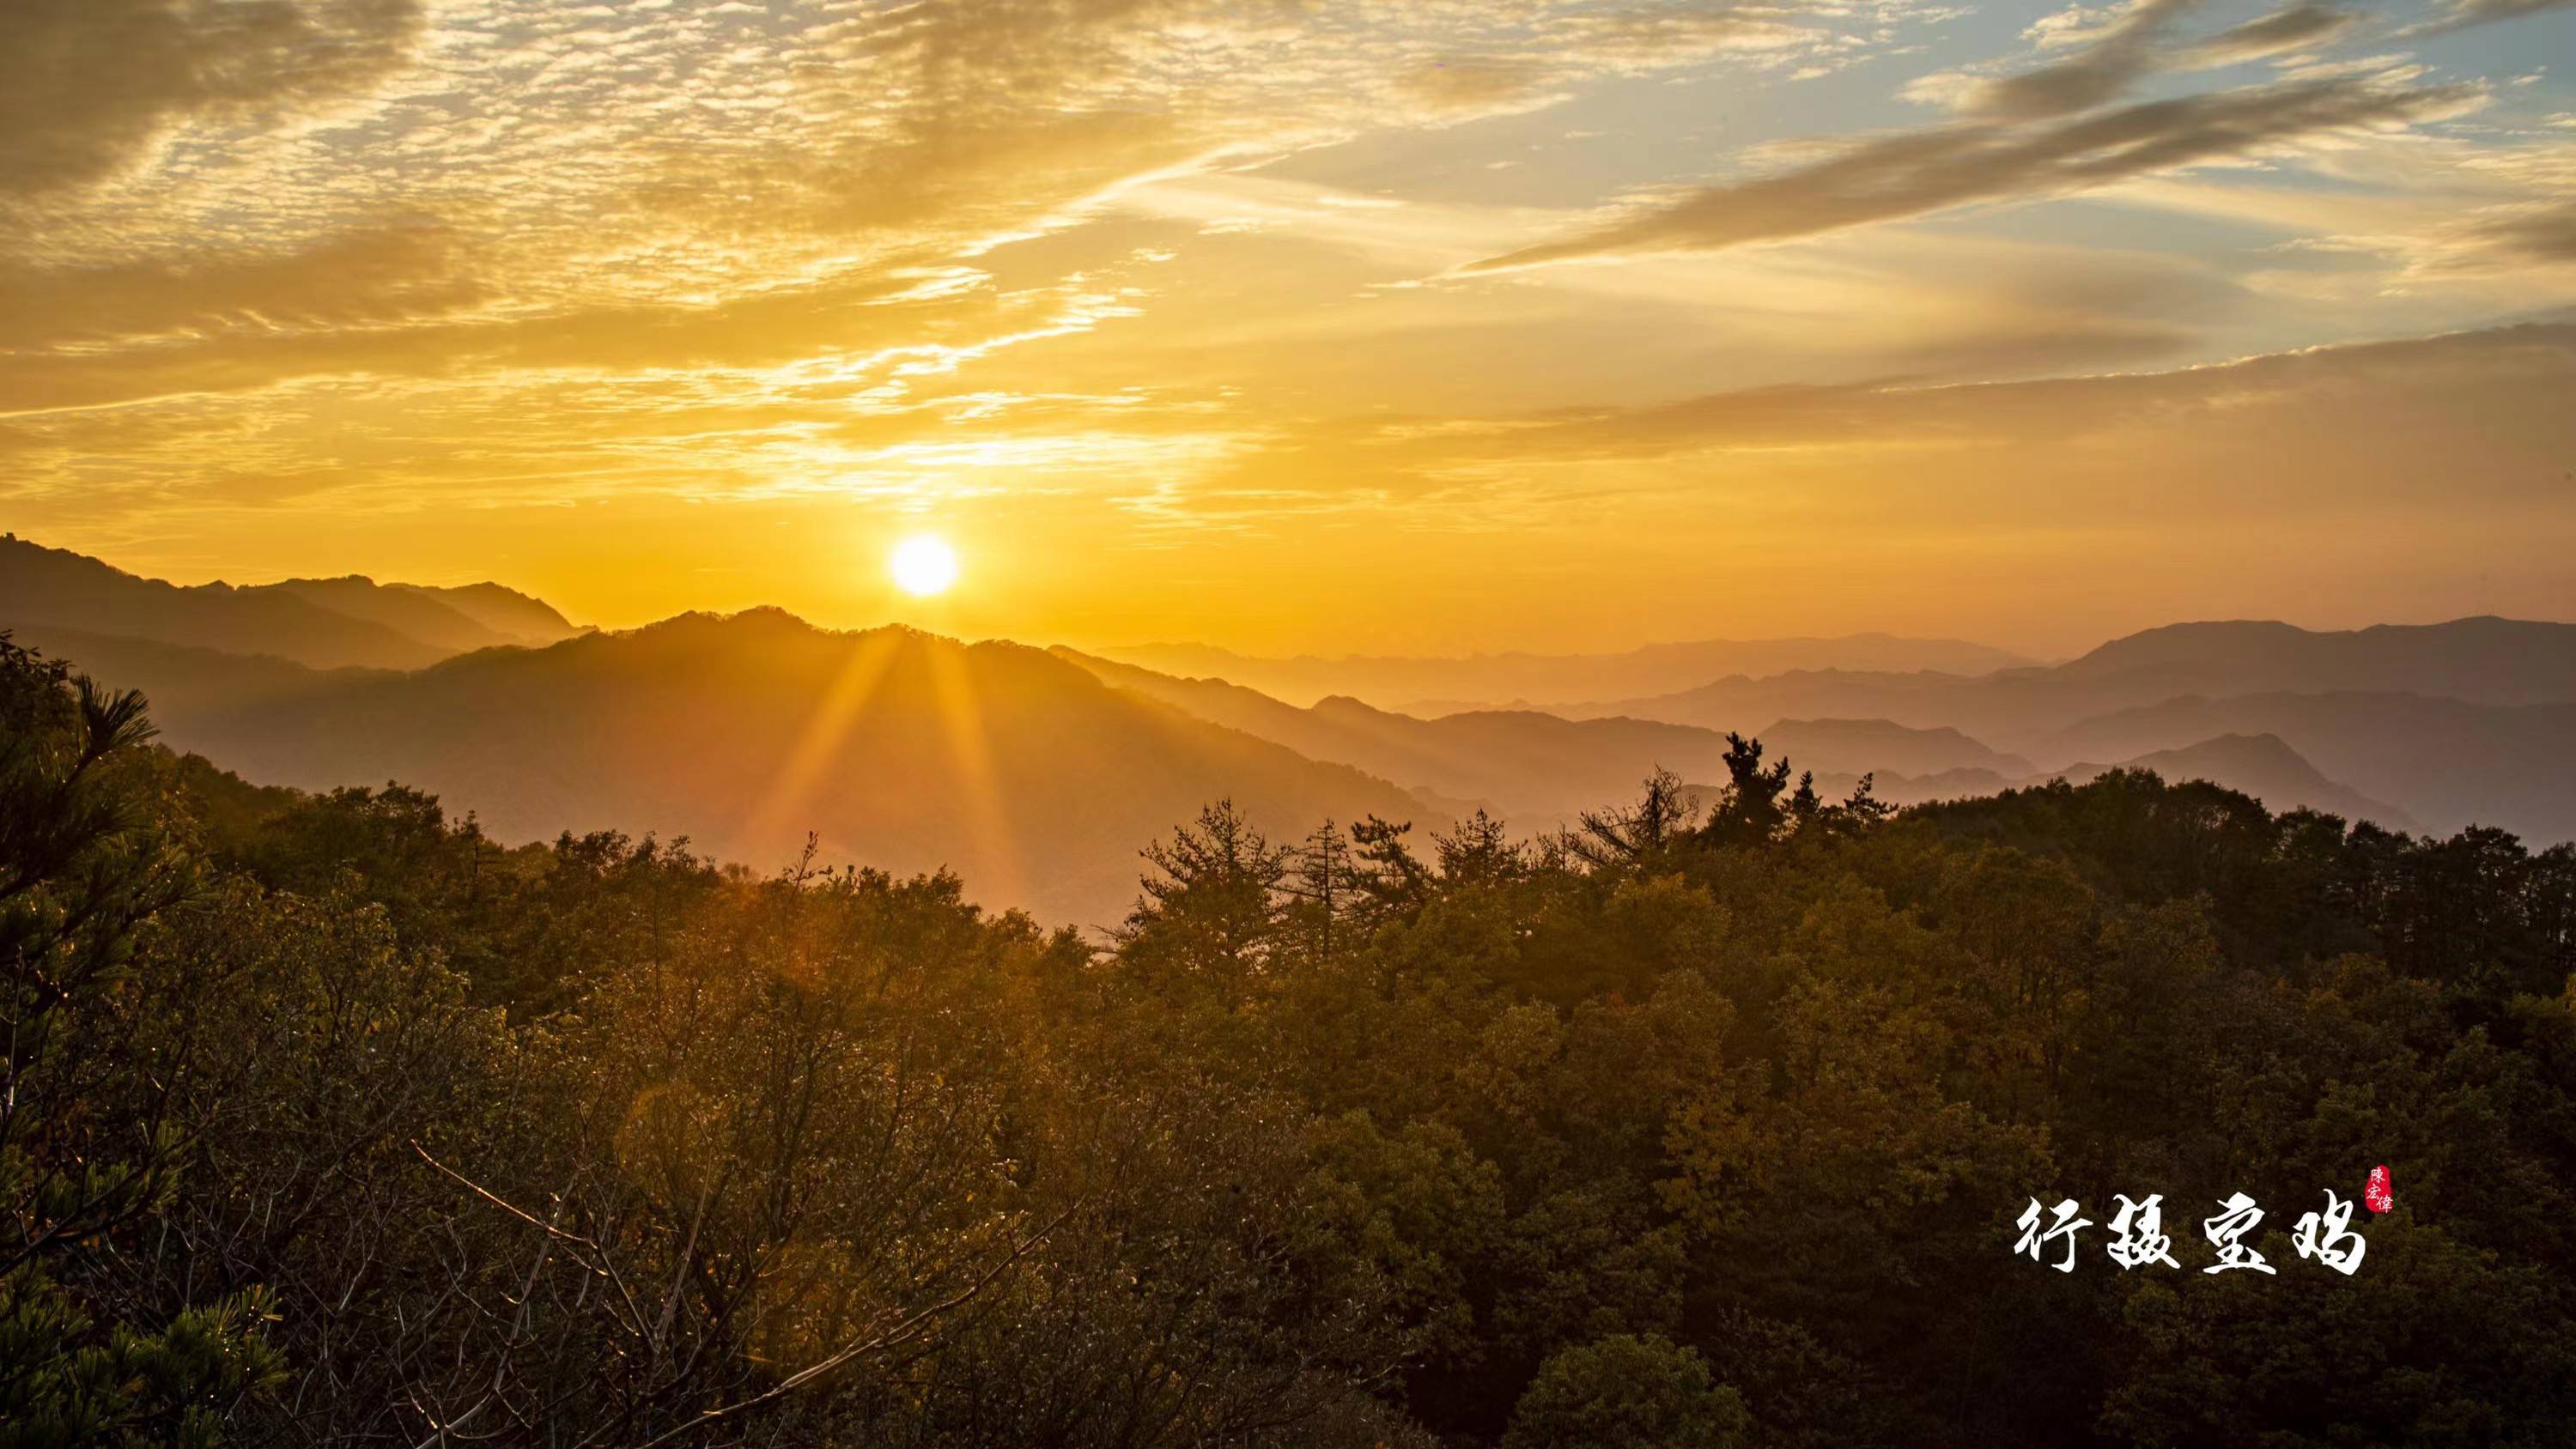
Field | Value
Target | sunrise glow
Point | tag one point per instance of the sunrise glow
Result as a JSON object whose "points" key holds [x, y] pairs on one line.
{"points": [[923, 565]]}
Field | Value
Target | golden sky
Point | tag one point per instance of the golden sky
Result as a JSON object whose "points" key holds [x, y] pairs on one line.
{"points": [[1288, 324]]}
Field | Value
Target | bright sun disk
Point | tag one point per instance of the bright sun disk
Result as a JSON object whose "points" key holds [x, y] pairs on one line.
{"points": [[924, 565]]}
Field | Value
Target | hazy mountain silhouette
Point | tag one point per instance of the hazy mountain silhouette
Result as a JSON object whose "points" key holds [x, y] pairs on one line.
{"points": [[1519, 762], [2494, 756], [520, 618], [1038, 773], [190, 680], [1852, 746], [326, 623], [1399, 682], [2263, 766], [2446, 762], [1031, 778], [2483, 660], [432, 617], [2506, 661], [40, 585], [1538, 770]]}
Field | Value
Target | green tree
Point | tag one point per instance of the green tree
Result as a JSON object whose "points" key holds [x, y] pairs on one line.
{"points": [[1626, 1392]]}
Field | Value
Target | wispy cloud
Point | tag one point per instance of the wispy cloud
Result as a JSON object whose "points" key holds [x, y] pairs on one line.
{"points": [[88, 86], [1916, 173]]}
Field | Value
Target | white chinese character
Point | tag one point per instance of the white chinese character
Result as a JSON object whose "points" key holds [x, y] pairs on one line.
{"points": [[2237, 1217], [2323, 1245], [2032, 1238], [2141, 1233]]}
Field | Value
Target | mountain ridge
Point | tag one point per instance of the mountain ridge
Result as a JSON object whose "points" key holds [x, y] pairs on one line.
{"points": [[1507, 677], [325, 623], [897, 748]]}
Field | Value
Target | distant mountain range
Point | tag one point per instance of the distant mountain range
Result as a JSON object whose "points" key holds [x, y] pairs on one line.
{"points": [[1539, 770], [325, 623], [2484, 660], [903, 750], [1523, 763], [1447, 686], [2454, 724], [2263, 766], [1037, 774]]}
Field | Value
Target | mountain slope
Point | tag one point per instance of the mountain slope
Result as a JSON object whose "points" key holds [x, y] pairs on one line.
{"points": [[1857, 745], [2263, 766], [408, 612], [1532, 766], [1398, 682], [50, 586], [325, 623], [1516, 762], [517, 617], [2447, 763], [188, 681], [2483, 660], [903, 750]]}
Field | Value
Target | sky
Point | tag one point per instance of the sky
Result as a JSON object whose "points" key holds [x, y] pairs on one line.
{"points": [[1293, 325]]}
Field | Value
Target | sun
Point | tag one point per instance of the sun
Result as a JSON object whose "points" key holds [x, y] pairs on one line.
{"points": [[923, 565]]}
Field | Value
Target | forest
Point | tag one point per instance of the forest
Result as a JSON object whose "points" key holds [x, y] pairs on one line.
{"points": [[330, 1120]]}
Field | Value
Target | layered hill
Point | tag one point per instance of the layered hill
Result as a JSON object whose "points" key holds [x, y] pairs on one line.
{"points": [[1523, 763], [1028, 776], [2483, 660], [1037, 774], [2448, 763], [2452, 724], [1449, 686], [2263, 766], [1538, 770], [459, 621], [325, 623], [1852, 746]]}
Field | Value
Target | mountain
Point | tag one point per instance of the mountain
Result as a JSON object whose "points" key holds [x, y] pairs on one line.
{"points": [[1031, 778], [2446, 762], [1857, 746], [517, 617], [188, 680], [2263, 766], [2484, 660], [1036, 773], [1391, 681], [1535, 768], [409, 612], [51, 586], [325, 623], [2491, 752], [1523, 764]]}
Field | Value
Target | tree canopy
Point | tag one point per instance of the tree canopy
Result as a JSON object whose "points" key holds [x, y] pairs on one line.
{"points": [[330, 1119]]}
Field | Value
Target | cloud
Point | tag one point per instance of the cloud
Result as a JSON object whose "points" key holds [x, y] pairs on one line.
{"points": [[1919, 172], [2544, 235], [87, 86], [2110, 57], [2282, 30], [2096, 74], [362, 277], [2175, 445], [2463, 13]]}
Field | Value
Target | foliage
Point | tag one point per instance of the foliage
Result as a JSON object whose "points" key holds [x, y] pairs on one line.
{"points": [[330, 1119]]}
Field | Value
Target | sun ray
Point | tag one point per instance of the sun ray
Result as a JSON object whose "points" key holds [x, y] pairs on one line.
{"points": [[788, 796], [961, 721]]}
